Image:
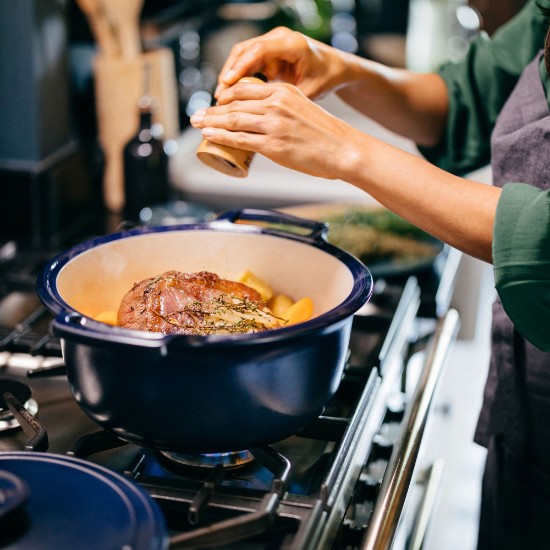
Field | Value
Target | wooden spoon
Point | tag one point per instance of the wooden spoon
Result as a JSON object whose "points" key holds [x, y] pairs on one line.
{"points": [[103, 34], [124, 15]]}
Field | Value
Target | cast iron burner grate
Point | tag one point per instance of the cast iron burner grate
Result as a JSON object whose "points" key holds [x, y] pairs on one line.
{"points": [[189, 505], [34, 431], [10, 390], [199, 512]]}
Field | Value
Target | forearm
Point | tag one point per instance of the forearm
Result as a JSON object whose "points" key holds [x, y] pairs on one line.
{"points": [[458, 211], [410, 104], [278, 121]]}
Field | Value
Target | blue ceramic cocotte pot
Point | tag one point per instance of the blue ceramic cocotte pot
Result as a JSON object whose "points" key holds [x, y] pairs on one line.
{"points": [[210, 393]]}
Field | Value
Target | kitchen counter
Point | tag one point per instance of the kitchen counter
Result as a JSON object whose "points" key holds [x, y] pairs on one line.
{"points": [[271, 185]]}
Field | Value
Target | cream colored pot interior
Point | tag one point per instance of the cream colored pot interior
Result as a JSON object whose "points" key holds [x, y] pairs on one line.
{"points": [[95, 281]]}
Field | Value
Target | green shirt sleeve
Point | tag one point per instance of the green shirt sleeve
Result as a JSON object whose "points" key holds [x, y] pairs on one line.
{"points": [[480, 84], [521, 260]]}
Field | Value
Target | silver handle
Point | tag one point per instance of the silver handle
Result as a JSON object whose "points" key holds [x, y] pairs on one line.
{"points": [[389, 504]]}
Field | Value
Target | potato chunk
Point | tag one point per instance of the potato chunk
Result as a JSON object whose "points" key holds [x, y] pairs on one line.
{"points": [[300, 311], [253, 281], [279, 304]]}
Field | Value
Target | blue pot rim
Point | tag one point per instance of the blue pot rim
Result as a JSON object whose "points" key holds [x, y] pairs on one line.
{"points": [[67, 316]]}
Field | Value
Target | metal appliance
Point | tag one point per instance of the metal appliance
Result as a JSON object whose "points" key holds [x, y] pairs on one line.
{"points": [[353, 478], [48, 180]]}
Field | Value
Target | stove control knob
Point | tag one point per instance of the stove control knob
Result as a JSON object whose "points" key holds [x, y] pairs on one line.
{"points": [[396, 406], [381, 448], [350, 535], [367, 489]]}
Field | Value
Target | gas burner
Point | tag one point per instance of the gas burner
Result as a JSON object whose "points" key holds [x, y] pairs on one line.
{"points": [[22, 392], [229, 460]]}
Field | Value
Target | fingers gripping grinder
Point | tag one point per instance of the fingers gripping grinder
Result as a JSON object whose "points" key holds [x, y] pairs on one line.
{"points": [[228, 160]]}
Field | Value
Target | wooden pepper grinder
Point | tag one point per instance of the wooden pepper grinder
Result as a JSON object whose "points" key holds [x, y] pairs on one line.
{"points": [[228, 160]]}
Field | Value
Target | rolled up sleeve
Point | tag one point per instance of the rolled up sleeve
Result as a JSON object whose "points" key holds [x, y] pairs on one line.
{"points": [[478, 86], [521, 260]]}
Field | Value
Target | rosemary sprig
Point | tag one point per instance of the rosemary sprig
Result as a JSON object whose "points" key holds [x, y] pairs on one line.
{"points": [[223, 314]]}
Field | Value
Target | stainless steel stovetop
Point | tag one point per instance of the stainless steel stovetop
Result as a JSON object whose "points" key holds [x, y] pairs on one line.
{"points": [[340, 483]]}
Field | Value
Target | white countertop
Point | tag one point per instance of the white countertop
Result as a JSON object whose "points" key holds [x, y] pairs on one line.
{"points": [[267, 182]]}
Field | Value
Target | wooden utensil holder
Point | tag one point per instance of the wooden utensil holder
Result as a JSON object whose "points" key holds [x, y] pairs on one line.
{"points": [[119, 83]]}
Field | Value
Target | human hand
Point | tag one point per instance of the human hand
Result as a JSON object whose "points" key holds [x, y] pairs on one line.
{"points": [[285, 56], [280, 122]]}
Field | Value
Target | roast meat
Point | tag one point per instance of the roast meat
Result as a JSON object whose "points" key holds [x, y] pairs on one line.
{"points": [[194, 303]]}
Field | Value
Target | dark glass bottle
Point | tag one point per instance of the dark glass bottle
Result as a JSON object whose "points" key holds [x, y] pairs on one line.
{"points": [[145, 166]]}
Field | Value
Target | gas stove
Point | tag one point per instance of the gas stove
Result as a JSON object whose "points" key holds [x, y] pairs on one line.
{"points": [[344, 481]]}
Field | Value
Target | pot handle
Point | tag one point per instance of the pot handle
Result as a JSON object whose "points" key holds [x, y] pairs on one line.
{"points": [[81, 329], [318, 230]]}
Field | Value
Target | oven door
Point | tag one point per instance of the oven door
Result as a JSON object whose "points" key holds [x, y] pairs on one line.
{"points": [[409, 490]]}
